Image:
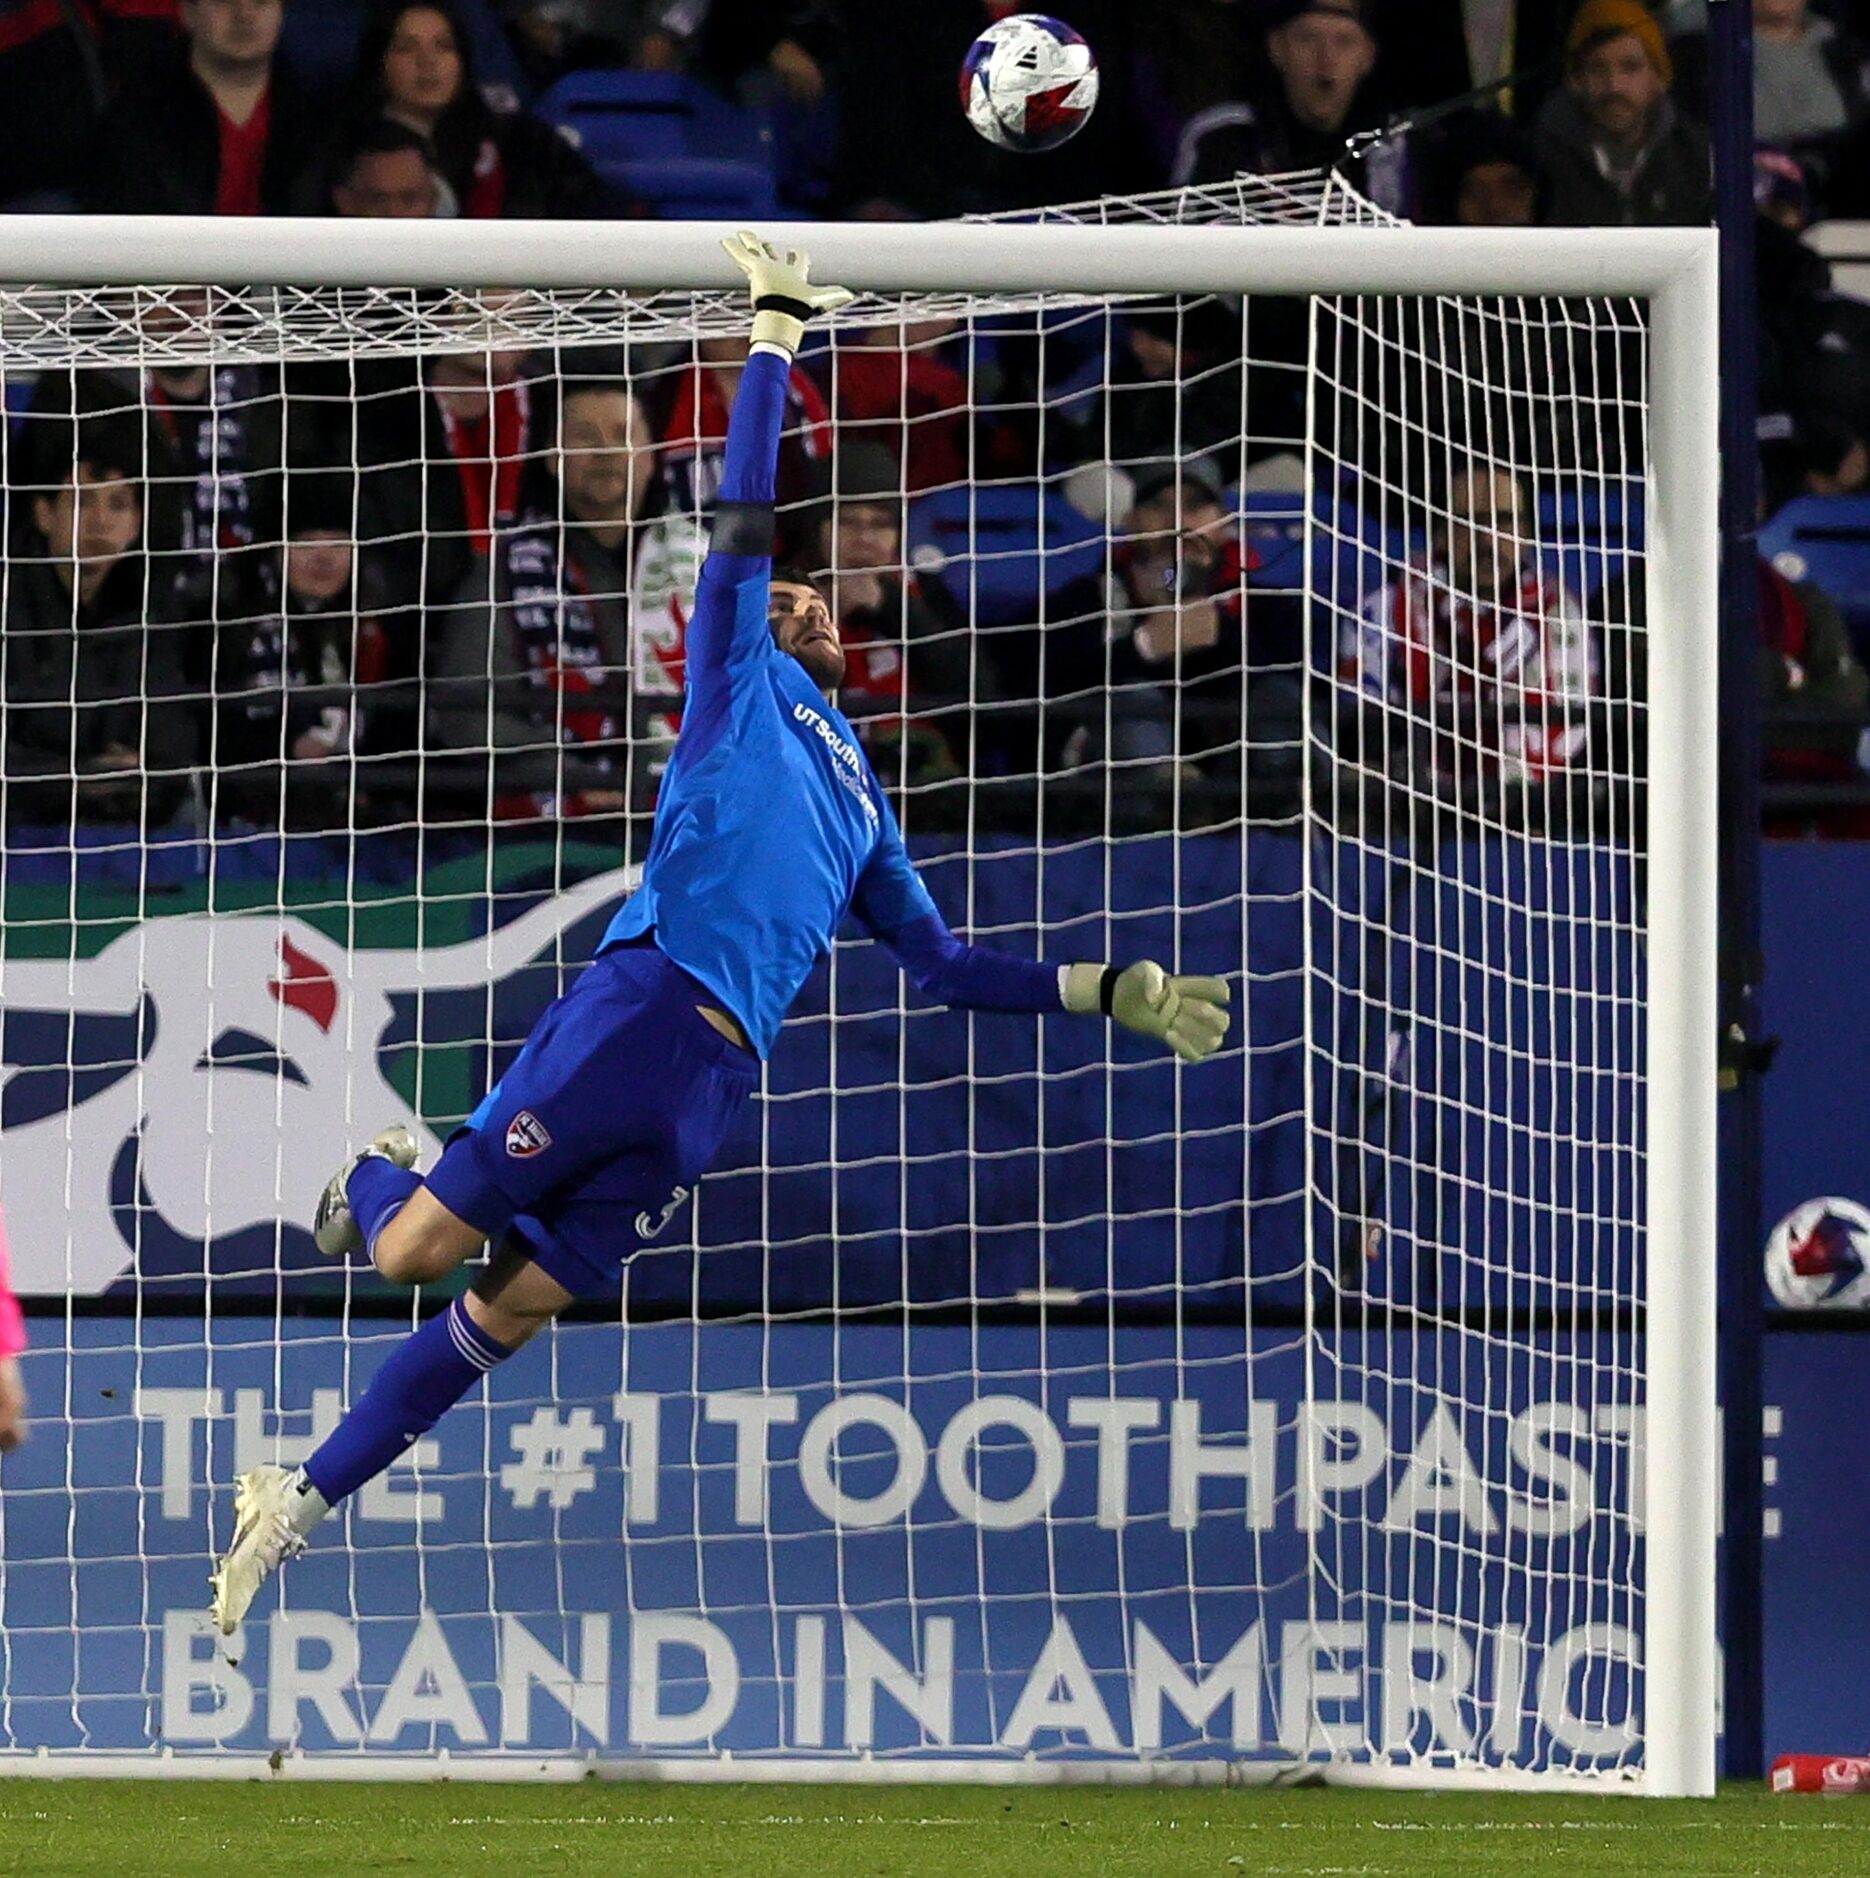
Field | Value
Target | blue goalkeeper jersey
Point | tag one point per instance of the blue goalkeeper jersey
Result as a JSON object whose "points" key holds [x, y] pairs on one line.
{"points": [[771, 824]]}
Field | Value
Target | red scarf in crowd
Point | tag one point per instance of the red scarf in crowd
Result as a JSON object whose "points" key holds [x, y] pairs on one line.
{"points": [[490, 457], [554, 624]]}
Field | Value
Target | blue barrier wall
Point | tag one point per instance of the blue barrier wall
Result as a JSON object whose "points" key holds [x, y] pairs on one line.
{"points": [[937, 1541]]}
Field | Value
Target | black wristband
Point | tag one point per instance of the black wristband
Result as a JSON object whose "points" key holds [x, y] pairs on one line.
{"points": [[742, 528], [800, 310], [1107, 988]]}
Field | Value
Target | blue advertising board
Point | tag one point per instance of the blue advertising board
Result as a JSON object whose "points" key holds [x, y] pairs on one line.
{"points": [[844, 1541]]}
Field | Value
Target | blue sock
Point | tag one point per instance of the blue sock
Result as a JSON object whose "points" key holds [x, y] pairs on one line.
{"points": [[378, 1190], [426, 1376]]}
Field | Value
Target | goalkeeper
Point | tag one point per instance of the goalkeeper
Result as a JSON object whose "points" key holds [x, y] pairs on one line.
{"points": [[770, 827]]}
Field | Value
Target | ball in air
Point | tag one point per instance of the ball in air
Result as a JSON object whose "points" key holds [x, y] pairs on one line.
{"points": [[1028, 83]]}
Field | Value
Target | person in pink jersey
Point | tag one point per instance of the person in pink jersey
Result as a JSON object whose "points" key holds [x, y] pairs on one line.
{"points": [[12, 1342]]}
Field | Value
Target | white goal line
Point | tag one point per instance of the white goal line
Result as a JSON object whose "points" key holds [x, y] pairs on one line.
{"points": [[804, 1770]]}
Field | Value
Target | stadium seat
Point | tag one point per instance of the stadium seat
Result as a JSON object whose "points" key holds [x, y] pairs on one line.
{"points": [[1826, 539], [668, 141], [692, 188], [1003, 547], [1352, 555], [1587, 535]]}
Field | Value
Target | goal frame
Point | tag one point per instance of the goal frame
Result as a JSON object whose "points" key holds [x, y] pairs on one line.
{"points": [[1674, 271]]}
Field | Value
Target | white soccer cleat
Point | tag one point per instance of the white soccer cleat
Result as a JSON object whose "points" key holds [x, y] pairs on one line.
{"points": [[274, 1508], [332, 1225]]}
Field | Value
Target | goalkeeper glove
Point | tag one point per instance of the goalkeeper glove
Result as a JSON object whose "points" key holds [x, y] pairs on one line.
{"points": [[783, 297], [1190, 1015]]}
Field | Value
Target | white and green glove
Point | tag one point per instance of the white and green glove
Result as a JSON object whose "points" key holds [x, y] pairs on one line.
{"points": [[1190, 1015], [783, 295]]}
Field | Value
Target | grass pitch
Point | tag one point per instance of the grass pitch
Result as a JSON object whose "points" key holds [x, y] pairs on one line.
{"points": [[179, 1829]]}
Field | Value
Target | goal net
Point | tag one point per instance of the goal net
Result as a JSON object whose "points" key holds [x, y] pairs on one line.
{"points": [[1233, 578]]}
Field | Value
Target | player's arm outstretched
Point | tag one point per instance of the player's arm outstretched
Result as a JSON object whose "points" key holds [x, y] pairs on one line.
{"points": [[729, 623], [1189, 1015]]}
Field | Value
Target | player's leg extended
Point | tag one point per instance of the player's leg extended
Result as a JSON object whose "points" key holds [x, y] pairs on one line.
{"points": [[618, 1103], [381, 1203], [275, 1508]]}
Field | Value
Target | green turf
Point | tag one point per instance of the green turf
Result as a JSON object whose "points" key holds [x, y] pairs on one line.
{"points": [[178, 1829]]}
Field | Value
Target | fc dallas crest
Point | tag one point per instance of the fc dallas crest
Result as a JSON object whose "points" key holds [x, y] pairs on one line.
{"points": [[527, 1135]]}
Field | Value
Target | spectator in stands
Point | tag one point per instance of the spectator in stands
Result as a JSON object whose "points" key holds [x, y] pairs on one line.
{"points": [[95, 724], [1323, 54], [694, 434], [908, 672], [414, 66], [1811, 94], [1616, 148], [1812, 686], [213, 438], [534, 667], [387, 170], [213, 126], [59, 62], [1173, 627], [1484, 173], [1474, 648], [1185, 644], [289, 687]]}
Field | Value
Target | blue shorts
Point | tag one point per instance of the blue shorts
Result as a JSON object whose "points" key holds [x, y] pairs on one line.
{"points": [[614, 1109]]}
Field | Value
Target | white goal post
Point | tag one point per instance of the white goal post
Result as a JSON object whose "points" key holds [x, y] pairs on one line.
{"points": [[1671, 275]]}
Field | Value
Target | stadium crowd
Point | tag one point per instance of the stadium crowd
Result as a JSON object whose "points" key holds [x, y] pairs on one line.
{"points": [[320, 594]]}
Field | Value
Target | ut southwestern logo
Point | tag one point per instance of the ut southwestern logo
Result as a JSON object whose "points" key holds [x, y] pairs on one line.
{"points": [[850, 770]]}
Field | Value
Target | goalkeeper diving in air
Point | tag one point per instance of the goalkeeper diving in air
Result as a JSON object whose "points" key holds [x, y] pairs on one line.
{"points": [[770, 827]]}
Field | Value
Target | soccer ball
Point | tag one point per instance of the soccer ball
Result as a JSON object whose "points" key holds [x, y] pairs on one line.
{"points": [[1818, 1255], [1028, 83]]}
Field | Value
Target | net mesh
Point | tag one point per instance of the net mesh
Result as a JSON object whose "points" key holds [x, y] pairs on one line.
{"points": [[1008, 1396]]}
